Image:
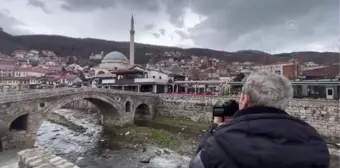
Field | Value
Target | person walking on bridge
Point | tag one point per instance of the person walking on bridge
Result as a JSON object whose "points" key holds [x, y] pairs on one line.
{"points": [[261, 134]]}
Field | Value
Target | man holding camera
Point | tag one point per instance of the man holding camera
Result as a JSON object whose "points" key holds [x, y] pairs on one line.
{"points": [[260, 134]]}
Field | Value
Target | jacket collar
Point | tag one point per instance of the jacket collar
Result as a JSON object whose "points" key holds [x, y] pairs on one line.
{"points": [[258, 110]]}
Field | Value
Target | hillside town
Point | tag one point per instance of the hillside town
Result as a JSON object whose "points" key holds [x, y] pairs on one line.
{"points": [[36, 69], [174, 72]]}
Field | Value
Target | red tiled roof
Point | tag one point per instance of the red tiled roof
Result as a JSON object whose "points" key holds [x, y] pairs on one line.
{"points": [[33, 69], [64, 76], [329, 71], [7, 67]]}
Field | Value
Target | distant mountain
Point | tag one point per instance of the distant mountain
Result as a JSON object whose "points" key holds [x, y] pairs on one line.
{"points": [[254, 52], [83, 47]]}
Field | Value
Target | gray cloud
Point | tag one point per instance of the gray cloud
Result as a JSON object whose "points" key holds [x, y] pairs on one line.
{"points": [[39, 4], [86, 5], [10, 24], [156, 35], [149, 27], [182, 34], [176, 9], [162, 31], [242, 24], [269, 25], [262, 24]]}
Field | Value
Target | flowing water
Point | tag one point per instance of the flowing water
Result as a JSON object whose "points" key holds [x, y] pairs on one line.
{"points": [[85, 149], [91, 148], [69, 143]]}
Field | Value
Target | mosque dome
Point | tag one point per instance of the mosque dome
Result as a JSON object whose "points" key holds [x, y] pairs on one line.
{"points": [[115, 56], [114, 60]]}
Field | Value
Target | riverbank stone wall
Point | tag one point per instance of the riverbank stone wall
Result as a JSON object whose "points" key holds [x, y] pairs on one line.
{"points": [[42, 158], [323, 115]]}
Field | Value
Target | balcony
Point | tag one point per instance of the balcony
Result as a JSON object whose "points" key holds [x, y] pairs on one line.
{"points": [[124, 81], [151, 80], [134, 81]]}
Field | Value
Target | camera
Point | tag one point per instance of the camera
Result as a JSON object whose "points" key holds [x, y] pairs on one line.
{"points": [[225, 109]]}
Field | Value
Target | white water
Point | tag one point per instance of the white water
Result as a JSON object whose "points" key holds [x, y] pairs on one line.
{"points": [[76, 147], [66, 142]]}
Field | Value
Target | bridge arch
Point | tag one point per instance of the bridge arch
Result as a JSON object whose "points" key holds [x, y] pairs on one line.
{"points": [[143, 112], [20, 123], [28, 122], [108, 107], [39, 104]]}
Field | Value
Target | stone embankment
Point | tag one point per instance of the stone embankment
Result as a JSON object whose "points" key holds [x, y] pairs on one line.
{"points": [[41, 158], [324, 115]]}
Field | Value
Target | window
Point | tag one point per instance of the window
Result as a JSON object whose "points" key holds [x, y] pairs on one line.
{"points": [[160, 77], [329, 92], [153, 76]]}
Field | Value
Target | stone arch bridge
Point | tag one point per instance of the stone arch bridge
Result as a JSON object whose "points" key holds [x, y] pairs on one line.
{"points": [[22, 113]]}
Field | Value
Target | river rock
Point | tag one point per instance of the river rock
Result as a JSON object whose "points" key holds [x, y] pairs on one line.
{"points": [[166, 151], [146, 158]]}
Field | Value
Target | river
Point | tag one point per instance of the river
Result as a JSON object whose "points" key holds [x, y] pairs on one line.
{"points": [[87, 149], [167, 143]]}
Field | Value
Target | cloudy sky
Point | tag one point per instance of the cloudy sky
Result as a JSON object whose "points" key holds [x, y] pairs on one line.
{"points": [[268, 25]]}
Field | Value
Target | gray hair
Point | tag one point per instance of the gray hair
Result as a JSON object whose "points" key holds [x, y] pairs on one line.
{"points": [[268, 89]]}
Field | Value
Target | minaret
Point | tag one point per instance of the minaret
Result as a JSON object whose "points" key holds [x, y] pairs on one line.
{"points": [[132, 42]]}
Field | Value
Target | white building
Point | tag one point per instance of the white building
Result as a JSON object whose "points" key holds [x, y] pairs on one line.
{"points": [[97, 56], [48, 53], [112, 61], [69, 80], [50, 63], [20, 54], [288, 70], [29, 71]]}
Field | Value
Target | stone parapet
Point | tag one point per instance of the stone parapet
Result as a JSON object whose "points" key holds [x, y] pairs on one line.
{"points": [[46, 93], [42, 158]]}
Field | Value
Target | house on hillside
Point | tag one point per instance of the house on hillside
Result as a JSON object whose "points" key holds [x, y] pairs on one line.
{"points": [[68, 80], [10, 83], [331, 72]]}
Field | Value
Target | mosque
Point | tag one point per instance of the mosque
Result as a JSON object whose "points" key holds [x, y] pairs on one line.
{"points": [[111, 62], [117, 72], [115, 60]]}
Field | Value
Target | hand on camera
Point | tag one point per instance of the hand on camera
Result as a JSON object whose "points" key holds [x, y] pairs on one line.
{"points": [[222, 120], [222, 113]]}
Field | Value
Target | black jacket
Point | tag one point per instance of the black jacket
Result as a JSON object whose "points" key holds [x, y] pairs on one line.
{"points": [[263, 137]]}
